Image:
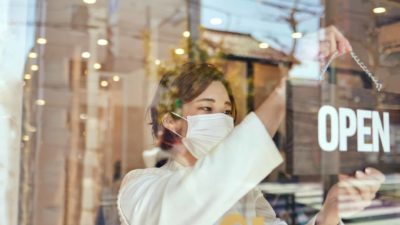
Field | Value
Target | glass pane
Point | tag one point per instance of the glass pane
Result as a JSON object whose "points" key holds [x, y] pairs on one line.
{"points": [[175, 112]]}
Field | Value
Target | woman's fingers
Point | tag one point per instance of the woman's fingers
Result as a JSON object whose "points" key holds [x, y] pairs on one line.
{"points": [[371, 179], [333, 41], [350, 201], [353, 199], [342, 42], [324, 50], [343, 45], [354, 193], [347, 45], [376, 174], [366, 184]]}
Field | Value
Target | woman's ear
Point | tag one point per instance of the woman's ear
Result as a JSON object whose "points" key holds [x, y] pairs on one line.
{"points": [[169, 123]]}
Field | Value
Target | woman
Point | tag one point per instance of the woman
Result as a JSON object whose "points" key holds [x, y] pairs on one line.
{"points": [[215, 166]]}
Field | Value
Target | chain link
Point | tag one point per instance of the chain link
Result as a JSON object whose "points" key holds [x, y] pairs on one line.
{"points": [[378, 85]]}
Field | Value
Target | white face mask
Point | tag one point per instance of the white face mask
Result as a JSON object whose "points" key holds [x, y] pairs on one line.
{"points": [[205, 131]]}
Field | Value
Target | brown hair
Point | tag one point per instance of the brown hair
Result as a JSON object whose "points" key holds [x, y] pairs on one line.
{"points": [[177, 88]]}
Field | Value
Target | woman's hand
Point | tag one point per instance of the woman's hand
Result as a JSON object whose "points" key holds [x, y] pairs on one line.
{"points": [[350, 196], [271, 111], [332, 41], [322, 46]]}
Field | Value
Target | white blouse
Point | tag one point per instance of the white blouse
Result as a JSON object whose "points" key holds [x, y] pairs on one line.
{"points": [[220, 184]]}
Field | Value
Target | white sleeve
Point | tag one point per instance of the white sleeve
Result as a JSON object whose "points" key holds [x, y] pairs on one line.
{"points": [[202, 194], [265, 210]]}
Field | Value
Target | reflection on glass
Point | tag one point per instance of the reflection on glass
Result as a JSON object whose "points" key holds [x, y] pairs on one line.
{"points": [[77, 81]]}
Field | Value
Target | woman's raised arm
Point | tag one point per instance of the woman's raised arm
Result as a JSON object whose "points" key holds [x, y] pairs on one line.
{"points": [[271, 112]]}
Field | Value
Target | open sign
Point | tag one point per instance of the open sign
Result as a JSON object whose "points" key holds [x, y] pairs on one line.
{"points": [[346, 122], [332, 129]]}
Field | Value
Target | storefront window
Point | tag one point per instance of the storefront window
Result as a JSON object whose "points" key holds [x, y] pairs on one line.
{"points": [[199, 112]]}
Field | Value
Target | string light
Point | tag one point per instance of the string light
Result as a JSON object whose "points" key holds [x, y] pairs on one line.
{"points": [[89, 1], [296, 35], [41, 41], [102, 42], [104, 83], [378, 10], [179, 51], [25, 138], [186, 34], [116, 78], [263, 45], [216, 21], [83, 116], [97, 66], [85, 55], [27, 76], [40, 102], [32, 55], [34, 67]]}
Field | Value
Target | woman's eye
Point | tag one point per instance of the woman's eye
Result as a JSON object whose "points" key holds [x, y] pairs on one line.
{"points": [[206, 109], [228, 112]]}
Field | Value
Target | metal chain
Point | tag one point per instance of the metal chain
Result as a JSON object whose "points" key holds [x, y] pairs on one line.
{"points": [[325, 67], [378, 85]]}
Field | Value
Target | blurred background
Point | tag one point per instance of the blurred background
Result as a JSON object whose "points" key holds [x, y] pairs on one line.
{"points": [[77, 77]]}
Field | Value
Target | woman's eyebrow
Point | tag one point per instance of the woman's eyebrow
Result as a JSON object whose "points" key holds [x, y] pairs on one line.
{"points": [[206, 99], [213, 101]]}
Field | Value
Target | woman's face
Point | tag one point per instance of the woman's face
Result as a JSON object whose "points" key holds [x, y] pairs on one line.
{"points": [[214, 99]]}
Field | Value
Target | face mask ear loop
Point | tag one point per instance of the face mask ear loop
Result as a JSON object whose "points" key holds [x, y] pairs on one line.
{"points": [[175, 132], [176, 114]]}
